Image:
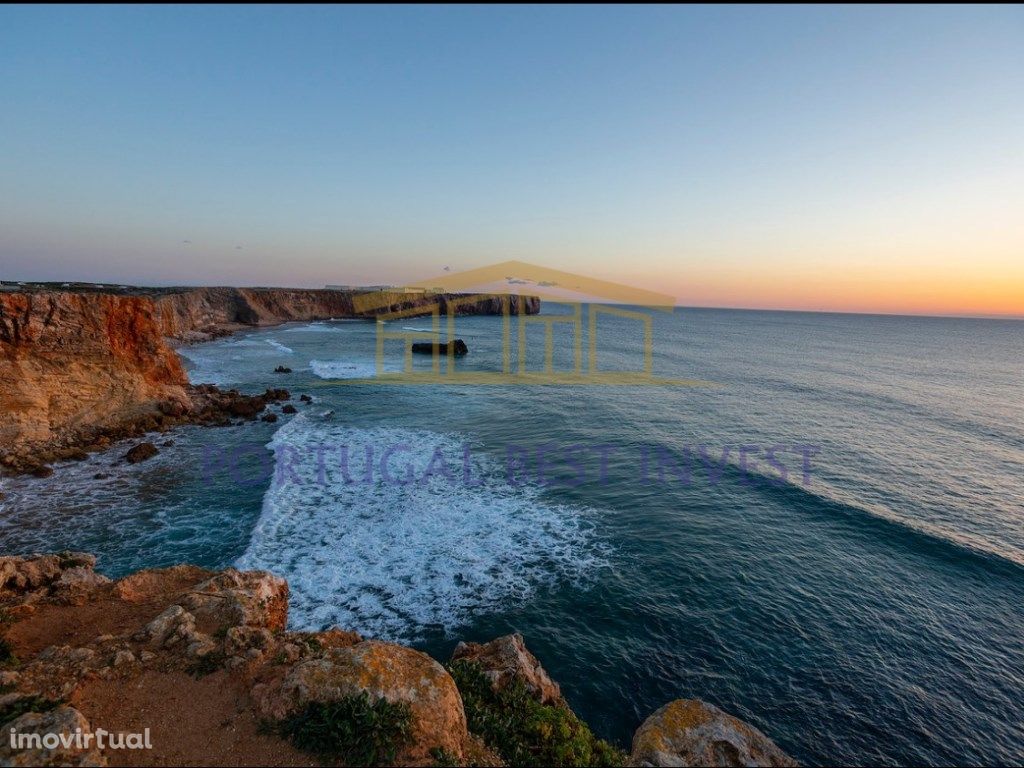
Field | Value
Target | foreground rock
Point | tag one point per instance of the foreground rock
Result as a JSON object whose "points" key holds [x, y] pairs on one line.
{"points": [[384, 671], [241, 599], [691, 732], [208, 659], [506, 659], [64, 577], [77, 749]]}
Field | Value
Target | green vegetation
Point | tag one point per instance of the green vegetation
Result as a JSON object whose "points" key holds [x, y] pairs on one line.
{"points": [[524, 731], [207, 664], [353, 729], [7, 657], [442, 759], [19, 707]]}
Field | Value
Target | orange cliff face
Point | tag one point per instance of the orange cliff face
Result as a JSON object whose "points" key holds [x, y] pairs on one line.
{"points": [[71, 361]]}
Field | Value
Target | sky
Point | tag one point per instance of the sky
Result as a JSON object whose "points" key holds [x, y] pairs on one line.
{"points": [[866, 159]]}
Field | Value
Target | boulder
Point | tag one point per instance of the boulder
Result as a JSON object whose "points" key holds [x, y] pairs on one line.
{"points": [[240, 599], [457, 347], [177, 627], [244, 406], [270, 418], [63, 721], [156, 582], [692, 732], [506, 659], [141, 452], [288, 408], [20, 575], [383, 671], [76, 584]]}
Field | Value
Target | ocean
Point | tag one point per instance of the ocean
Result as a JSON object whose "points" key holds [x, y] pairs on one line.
{"points": [[826, 540]]}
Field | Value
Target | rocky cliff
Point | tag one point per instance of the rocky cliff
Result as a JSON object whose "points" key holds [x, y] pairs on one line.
{"points": [[68, 361], [81, 365], [202, 667], [197, 313]]}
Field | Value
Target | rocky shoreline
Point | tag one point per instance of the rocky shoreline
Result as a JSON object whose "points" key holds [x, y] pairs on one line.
{"points": [[201, 663], [206, 405], [82, 368]]}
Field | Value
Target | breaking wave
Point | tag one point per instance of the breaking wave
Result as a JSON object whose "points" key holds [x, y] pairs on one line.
{"points": [[392, 559]]}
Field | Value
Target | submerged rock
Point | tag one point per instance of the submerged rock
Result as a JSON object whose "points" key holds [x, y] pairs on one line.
{"points": [[282, 369], [692, 732], [141, 452]]}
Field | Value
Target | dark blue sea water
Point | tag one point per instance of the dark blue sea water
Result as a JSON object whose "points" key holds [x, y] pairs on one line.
{"points": [[858, 593]]}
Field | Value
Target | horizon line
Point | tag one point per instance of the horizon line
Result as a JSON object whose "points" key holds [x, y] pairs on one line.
{"points": [[679, 305]]}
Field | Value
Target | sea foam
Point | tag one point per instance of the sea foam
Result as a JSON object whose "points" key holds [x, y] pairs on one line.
{"points": [[394, 560], [348, 369], [279, 346]]}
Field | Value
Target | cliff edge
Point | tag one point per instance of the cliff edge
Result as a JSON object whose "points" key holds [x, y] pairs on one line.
{"points": [[77, 366], [187, 666], [68, 361]]}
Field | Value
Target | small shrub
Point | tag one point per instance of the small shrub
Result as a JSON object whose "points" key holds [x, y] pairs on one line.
{"points": [[7, 657], [208, 664], [351, 729], [524, 731], [19, 707], [442, 759]]}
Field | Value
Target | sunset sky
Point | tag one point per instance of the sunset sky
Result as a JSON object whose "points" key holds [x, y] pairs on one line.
{"points": [[850, 159]]}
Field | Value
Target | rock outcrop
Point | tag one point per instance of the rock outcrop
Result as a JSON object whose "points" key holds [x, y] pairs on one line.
{"points": [[456, 347], [81, 366], [691, 732], [384, 671], [72, 360], [189, 314], [63, 576], [74, 745], [141, 452], [506, 659], [208, 658]]}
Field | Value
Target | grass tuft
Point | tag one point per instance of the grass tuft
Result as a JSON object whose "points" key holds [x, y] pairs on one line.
{"points": [[523, 730], [353, 729], [20, 706], [7, 656]]}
